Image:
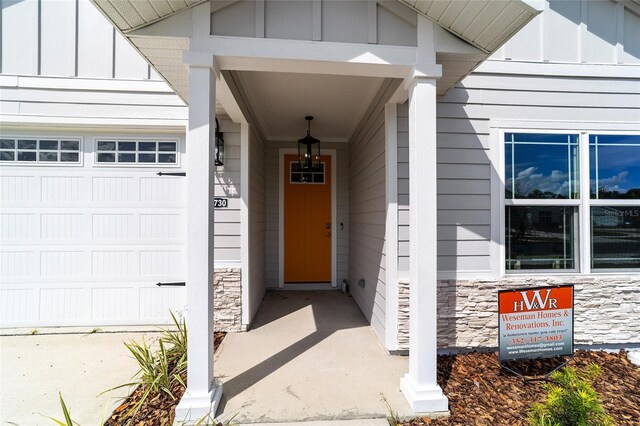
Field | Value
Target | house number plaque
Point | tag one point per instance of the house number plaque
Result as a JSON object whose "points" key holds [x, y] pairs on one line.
{"points": [[220, 203]]}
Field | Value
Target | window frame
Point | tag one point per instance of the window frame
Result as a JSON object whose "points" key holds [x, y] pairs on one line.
{"points": [[323, 173], [582, 246], [81, 151], [116, 139]]}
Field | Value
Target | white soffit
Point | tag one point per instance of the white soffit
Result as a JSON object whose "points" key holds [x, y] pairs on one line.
{"points": [[128, 15], [486, 24]]}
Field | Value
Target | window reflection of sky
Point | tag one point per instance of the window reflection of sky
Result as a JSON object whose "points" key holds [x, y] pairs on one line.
{"points": [[540, 171], [618, 166]]}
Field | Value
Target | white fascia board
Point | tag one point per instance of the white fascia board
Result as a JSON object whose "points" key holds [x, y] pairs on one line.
{"points": [[243, 53]]}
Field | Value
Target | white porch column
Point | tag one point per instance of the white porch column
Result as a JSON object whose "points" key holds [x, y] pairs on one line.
{"points": [[419, 385], [202, 395]]}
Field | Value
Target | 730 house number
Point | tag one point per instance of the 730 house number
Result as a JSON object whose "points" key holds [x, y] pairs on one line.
{"points": [[220, 203]]}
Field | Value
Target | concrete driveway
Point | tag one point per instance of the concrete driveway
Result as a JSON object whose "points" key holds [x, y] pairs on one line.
{"points": [[34, 368]]}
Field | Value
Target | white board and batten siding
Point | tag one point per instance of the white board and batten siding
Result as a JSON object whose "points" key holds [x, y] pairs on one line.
{"points": [[321, 20], [66, 38], [590, 32]]}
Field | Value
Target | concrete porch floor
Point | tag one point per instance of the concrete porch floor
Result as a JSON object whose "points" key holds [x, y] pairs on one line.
{"points": [[310, 355]]}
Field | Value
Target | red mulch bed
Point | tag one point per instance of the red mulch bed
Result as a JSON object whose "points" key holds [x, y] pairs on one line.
{"points": [[482, 394], [159, 409]]}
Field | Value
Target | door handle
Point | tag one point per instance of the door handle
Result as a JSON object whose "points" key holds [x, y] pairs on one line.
{"points": [[328, 225], [328, 233]]}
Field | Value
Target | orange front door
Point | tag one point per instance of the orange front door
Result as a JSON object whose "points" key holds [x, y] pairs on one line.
{"points": [[307, 223]]}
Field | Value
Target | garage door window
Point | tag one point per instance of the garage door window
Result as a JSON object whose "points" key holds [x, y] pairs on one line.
{"points": [[136, 152], [40, 151]]}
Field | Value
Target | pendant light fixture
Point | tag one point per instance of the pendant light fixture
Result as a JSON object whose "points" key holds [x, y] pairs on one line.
{"points": [[308, 154]]}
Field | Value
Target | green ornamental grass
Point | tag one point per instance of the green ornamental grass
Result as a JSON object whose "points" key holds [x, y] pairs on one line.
{"points": [[570, 401]]}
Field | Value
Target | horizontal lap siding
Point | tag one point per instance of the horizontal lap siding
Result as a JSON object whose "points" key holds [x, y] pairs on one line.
{"points": [[463, 149], [367, 218], [227, 185], [257, 220]]}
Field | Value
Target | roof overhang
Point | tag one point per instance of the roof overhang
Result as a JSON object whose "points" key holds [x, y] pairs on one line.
{"points": [[467, 32]]}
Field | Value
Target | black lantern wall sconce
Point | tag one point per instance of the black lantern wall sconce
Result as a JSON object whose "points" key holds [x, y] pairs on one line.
{"points": [[219, 145], [308, 154]]}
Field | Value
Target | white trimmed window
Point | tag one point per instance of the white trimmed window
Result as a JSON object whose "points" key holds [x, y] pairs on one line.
{"points": [[40, 151], [546, 198], [123, 152]]}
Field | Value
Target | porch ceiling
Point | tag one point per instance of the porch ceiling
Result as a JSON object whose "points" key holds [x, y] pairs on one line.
{"points": [[281, 101]]}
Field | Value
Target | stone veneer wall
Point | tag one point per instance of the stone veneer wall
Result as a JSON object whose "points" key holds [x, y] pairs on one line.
{"points": [[606, 310], [227, 299]]}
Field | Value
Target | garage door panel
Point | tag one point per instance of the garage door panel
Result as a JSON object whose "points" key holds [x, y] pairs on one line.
{"points": [[16, 188], [86, 244]]}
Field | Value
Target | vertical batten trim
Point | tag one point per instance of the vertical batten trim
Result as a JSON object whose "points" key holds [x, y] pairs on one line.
{"points": [[316, 20], [259, 18], [1, 39], [39, 53], [372, 26], [391, 231], [245, 191], [584, 214], [496, 152], [76, 38], [113, 55], [582, 33], [620, 33], [281, 153]]}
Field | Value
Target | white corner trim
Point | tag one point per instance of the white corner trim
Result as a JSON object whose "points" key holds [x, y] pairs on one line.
{"points": [[391, 226], [244, 220], [334, 215]]}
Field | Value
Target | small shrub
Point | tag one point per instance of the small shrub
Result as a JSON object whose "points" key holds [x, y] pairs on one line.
{"points": [[570, 401], [158, 369]]}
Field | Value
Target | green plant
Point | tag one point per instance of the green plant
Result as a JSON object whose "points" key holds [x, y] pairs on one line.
{"points": [[176, 339], [159, 369], [65, 412], [570, 401], [93, 331], [33, 331], [394, 419]]}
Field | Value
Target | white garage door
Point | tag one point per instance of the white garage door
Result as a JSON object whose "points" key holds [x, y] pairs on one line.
{"points": [[84, 237]]}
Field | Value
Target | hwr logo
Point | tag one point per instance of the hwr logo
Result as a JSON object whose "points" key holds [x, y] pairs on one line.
{"points": [[537, 302]]}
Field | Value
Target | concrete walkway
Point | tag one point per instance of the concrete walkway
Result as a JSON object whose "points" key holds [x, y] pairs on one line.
{"points": [[309, 356], [34, 368]]}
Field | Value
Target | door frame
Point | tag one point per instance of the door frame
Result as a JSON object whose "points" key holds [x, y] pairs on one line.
{"points": [[334, 239]]}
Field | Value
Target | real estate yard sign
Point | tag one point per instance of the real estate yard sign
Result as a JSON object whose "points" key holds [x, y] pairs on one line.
{"points": [[535, 322]]}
